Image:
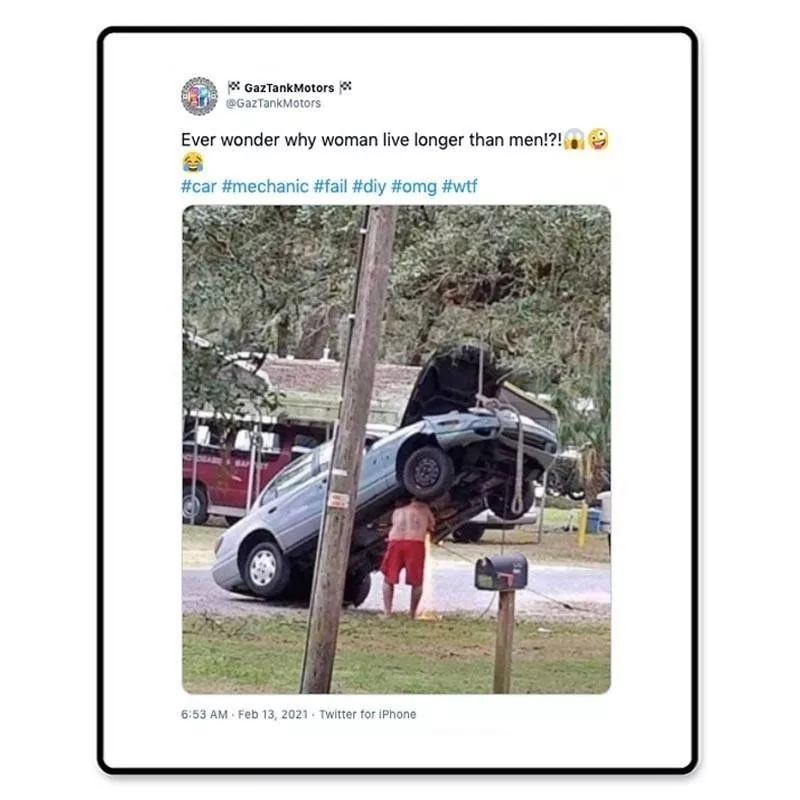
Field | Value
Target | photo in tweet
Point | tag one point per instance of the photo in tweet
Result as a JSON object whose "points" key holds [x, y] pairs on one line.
{"points": [[487, 440]]}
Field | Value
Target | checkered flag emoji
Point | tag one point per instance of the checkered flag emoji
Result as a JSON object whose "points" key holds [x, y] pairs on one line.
{"points": [[233, 86], [345, 86]]}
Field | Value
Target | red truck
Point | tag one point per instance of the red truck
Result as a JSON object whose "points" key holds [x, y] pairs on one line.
{"points": [[228, 469]]}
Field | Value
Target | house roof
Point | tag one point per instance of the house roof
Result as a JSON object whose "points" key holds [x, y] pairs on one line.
{"points": [[311, 387], [321, 380]]}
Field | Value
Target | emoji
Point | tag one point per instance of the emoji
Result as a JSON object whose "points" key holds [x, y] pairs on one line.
{"points": [[598, 138], [573, 139], [193, 162]]}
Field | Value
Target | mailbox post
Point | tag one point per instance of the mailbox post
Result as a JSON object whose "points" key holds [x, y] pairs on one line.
{"points": [[505, 574], [504, 643]]}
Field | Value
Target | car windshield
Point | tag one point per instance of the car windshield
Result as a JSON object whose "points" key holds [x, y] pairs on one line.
{"points": [[290, 476]]}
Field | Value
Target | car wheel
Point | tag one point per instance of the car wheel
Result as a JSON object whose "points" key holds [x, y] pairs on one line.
{"points": [[266, 570], [501, 500], [468, 533], [555, 484], [428, 473], [356, 589], [195, 507], [577, 494]]}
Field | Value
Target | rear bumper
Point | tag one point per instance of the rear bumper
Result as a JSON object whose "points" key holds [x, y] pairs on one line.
{"points": [[535, 446], [488, 520]]}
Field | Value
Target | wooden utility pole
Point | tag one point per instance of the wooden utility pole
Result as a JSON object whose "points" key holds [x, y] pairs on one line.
{"points": [[348, 447], [504, 643]]}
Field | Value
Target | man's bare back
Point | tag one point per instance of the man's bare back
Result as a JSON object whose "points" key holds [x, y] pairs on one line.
{"points": [[412, 522]]}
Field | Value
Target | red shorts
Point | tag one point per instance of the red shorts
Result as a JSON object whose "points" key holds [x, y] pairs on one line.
{"points": [[404, 553]]}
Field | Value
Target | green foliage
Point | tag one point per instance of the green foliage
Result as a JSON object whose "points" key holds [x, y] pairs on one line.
{"points": [[533, 282], [269, 279], [584, 408], [211, 382]]}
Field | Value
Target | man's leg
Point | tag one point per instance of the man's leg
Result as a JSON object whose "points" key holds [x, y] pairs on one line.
{"points": [[416, 596], [415, 574], [388, 596], [391, 574]]}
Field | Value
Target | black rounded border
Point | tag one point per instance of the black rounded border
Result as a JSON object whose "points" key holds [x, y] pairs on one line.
{"points": [[693, 762]]}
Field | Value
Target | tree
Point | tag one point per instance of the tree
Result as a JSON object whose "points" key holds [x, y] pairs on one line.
{"points": [[532, 281], [584, 408], [268, 279], [214, 382]]}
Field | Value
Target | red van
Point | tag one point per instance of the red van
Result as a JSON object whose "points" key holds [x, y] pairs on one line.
{"points": [[229, 471]]}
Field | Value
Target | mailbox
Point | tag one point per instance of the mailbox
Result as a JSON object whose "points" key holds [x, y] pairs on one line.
{"points": [[503, 572]]}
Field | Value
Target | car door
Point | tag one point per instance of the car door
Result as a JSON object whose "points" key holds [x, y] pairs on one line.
{"points": [[301, 510]]}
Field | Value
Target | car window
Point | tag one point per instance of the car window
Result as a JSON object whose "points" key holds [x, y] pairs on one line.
{"points": [[304, 440], [296, 473], [324, 454], [242, 441], [271, 441], [203, 436], [325, 451]]}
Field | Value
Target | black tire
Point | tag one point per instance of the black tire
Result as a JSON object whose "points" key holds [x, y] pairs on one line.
{"points": [[469, 533], [199, 506], [356, 588], [428, 473], [555, 484], [266, 570], [577, 494], [501, 500]]}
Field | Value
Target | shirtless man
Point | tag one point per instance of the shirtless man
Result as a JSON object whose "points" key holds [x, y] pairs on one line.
{"points": [[405, 549]]}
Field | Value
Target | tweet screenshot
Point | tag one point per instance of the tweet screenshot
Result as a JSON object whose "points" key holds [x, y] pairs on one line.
{"points": [[414, 303]]}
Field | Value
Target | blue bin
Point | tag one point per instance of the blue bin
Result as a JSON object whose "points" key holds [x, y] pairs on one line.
{"points": [[593, 522]]}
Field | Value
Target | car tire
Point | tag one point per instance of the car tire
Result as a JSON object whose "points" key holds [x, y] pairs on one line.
{"points": [[356, 588], [199, 506], [428, 473], [469, 533], [500, 501], [555, 485], [577, 494], [266, 570]]}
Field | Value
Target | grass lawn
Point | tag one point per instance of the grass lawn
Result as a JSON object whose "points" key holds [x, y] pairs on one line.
{"points": [[198, 545], [557, 546], [453, 655]]}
